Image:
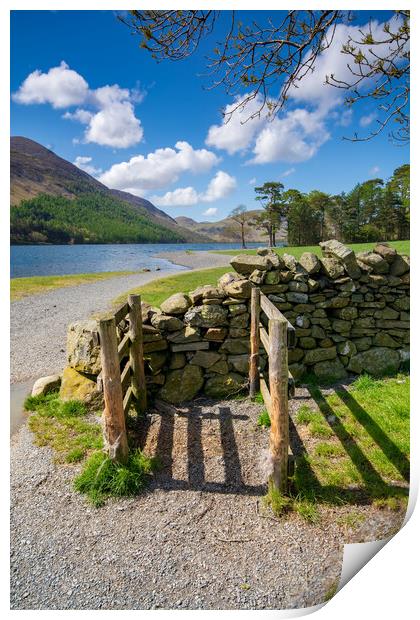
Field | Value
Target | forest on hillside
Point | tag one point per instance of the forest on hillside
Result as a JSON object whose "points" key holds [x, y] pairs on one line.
{"points": [[87, 218], [374, 210]]}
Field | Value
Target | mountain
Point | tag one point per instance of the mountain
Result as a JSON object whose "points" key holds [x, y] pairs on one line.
{"points": [[54, 201], [226, 230]]}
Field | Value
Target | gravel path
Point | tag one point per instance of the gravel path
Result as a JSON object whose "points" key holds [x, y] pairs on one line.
{"points": [[195, 540], [39, 322], [199, 538]]}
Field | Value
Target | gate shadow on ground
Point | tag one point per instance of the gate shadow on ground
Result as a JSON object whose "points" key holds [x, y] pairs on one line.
{"points": [[374, 486], [233, 480]]}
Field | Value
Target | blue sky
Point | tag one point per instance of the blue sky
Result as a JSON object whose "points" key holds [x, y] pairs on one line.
{"points": [[81, 86]]}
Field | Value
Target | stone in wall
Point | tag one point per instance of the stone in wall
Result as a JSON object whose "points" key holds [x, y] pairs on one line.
{"points": [[83, 351]]}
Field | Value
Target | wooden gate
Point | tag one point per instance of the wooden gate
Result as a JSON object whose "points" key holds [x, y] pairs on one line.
{"points": [[121, 387], [280, 336]]}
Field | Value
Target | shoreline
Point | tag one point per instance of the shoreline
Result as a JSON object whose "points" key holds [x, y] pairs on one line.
{"points": [[195, 260]]}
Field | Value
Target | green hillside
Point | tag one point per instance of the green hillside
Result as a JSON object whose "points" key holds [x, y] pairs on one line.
{"points": [[87, 218]]}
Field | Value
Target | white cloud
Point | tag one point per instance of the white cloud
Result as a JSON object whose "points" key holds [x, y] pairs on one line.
{"points": [[108, 95], [288, 172], [239, 131], [344, 119], [159, 168], [60, 86], [367, 120], [80, 115], [220, 186], [112, 122], [210, 212], [183, 196], [374, 170], [294, 138], [84, 164], [252, 181], [116, 125]]}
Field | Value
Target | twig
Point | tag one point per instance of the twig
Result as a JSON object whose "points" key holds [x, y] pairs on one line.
{"points": [[234, 540], [202, 513]]}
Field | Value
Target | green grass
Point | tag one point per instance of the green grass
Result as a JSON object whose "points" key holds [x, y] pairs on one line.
{"points": [[328, 449], [157, 291], [305, 415], [402, 247], [308, 510], [63, 427], [314, 420], [351, 520], [281, 504], [277, 501], [332, 591], [22, 287], [356, 450], [264, 419], [368, 446], [101, 478]]}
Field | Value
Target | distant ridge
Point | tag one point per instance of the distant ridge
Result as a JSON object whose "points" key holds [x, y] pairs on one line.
{"points": [[226, 230]]}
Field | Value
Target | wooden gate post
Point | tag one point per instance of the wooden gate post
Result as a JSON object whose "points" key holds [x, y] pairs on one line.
{"points": [[138, 379], [278, 378], [114, 420], [255, 342]]}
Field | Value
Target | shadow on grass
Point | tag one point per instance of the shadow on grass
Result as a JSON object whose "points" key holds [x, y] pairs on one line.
{"points": [[306, 483], [388, 447]]}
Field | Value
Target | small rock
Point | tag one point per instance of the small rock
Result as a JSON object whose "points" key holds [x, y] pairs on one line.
{"points": [[44, 385]]}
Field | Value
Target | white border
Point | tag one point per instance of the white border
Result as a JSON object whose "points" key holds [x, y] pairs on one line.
{"points": [[387, 586]]}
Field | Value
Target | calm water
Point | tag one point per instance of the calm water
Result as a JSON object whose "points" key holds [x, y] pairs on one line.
{"points": [[43, 260]]}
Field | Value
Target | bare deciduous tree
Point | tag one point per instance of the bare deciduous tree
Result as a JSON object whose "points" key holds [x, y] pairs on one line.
{"points": [[241, 217]]}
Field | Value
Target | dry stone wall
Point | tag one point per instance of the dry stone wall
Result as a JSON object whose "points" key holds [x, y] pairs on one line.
{"points": [[350, 312]]}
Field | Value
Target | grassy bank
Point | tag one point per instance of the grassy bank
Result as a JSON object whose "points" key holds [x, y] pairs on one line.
{"points": [[356, 444], [157, 291], [22, 287], [402, 247]]}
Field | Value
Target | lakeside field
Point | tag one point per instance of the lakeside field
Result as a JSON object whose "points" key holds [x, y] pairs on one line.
{"points": [[402, 247], [157, 291], [22, 287]]}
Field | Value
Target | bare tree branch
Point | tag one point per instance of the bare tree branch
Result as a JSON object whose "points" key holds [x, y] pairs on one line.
{"points": [[263, 62]]}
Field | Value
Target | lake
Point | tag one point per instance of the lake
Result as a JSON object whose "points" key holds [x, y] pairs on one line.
{"points": [[45, 260]]}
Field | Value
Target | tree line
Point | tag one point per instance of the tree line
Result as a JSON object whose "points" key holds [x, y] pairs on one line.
{"points": [[374, 210]]}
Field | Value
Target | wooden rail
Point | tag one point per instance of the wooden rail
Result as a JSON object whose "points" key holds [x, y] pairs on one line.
{"points": [[280, 336], [122, 378]]}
